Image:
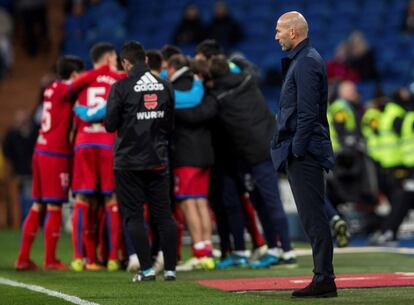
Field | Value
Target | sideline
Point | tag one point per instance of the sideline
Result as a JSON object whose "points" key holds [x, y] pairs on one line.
{"points": [[56, 294]]}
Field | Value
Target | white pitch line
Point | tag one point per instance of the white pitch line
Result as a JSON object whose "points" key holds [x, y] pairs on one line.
{"points": [[56, 294]]}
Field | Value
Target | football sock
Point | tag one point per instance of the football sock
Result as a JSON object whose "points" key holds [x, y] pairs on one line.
{"points": [[29, 230], [209, 247], [53, 224], [79, 220], [113, 221], [101, 236], [91, 227], [251, 223], [199, 249]]}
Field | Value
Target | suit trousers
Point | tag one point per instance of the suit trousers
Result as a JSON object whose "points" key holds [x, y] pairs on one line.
{"points": [[307, 180], [133, 189]]}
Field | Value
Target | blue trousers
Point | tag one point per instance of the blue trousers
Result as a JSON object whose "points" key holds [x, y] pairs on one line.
{"points": [[264, 194]]}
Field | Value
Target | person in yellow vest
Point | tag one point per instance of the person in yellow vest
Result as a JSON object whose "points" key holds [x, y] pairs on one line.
{"points": [[343, 116], [370, 123], [390, 157], [370, 129], [354, 178], [395, 133]]}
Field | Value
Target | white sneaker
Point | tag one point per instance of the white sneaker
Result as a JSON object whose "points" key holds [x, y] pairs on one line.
{"points": [[189, 265], [386, 239], [159, 263], [143, 276], [216, 253], [170, 275], [258, 253], [133, 263]]}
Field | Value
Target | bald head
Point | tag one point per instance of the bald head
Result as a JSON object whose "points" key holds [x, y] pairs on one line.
{"points": [[296, 21], [291, 29], [348, 91]]}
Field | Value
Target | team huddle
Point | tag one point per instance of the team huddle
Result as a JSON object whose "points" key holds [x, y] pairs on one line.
{"points": [[218, 137], [75, 151]]}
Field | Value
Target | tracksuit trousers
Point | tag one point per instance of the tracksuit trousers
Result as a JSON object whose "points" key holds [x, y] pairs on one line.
{"points": [[133, 189]]}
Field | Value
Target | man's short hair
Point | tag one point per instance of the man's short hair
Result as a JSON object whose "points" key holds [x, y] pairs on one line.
{"points": [[154, 60], [219, 66], [133, 51], [178, 61], [169, 50], [201, 67], [67, 64], [99, 50], [209, 48]]}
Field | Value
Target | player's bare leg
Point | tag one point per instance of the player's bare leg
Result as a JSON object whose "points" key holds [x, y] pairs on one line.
{"points": [[195, 226], [203, 210]]}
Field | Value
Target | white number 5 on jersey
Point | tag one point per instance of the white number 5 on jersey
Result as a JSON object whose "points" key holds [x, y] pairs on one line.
{"points": [[95, 97], [46, 116]]}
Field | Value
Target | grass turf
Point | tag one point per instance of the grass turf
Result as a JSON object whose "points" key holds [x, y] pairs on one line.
{"points": [[115, 287]]}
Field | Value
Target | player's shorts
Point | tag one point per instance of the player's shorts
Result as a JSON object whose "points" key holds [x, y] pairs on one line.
{"points": [[191, 182], [51, 178], [93, 171]]}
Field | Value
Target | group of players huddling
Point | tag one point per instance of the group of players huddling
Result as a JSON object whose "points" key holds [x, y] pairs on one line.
{"points": [[74, 151]]}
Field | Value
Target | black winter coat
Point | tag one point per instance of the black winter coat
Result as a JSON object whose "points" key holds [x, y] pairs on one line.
{"points": [[192, 144], [245, 116], [141, 108], [242, 113]]}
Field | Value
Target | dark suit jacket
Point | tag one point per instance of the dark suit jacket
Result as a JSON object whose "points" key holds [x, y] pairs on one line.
{"points": [[302, 125]]}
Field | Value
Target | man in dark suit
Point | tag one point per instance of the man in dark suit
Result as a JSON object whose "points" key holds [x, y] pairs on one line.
{"points": [[302, 146]]}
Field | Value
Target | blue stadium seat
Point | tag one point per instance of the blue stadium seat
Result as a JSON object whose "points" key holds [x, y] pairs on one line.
{"points": [[188, 50], [258, 31], [350, 6], [374, 5], [390, 85], [142, 37], [153, 22], [366, 90]]}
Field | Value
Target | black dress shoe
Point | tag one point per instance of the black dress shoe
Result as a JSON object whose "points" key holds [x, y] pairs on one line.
{"points": [[317, 290]]}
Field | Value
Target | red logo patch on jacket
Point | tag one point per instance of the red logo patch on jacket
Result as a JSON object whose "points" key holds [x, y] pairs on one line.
{"points": [[150, 101]]}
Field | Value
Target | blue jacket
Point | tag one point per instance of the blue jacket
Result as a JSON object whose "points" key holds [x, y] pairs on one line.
{"points": [[301, 123]]}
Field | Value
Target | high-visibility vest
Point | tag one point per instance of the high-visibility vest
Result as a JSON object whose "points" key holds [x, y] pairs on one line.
{"points": [[407, 140], [390, 141], [369, 124], [340, 108]]}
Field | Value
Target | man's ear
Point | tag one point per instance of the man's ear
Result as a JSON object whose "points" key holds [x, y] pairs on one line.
{"points": [[107, 59], [146, 59], [125, 65], [293, 33]]}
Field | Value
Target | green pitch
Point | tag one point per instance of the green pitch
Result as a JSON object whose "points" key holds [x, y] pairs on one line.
{"points": [[114, 288]]}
